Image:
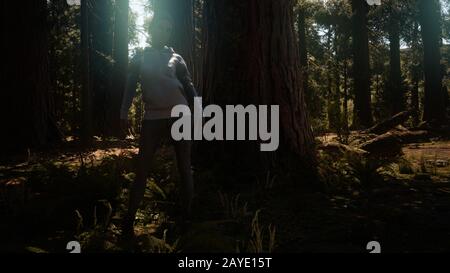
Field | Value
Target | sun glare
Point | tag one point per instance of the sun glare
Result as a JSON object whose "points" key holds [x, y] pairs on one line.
{"points": [[139, 8]]}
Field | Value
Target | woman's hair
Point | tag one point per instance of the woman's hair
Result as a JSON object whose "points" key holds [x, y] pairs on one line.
{"points": [[158, 17]]}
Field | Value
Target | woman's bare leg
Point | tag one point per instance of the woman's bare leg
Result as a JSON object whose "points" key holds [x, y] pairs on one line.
{"points": [[183, 151], [152, 131]]}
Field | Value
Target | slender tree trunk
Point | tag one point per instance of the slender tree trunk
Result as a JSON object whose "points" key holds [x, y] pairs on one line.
{"points": [[416, 76], [361, 66], [395, 77], [330, 95], [76, 88], [431, 36], [302, 34], [337, 80], [120, 56], [345, 100], [139, 115], [26, 99], [252, 57], [415, 96], [55, 8], [101, 68], [86, 96]]}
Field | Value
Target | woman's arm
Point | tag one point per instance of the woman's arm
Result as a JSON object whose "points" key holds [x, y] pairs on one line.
{"points": [[184, 76], [130, 91]]}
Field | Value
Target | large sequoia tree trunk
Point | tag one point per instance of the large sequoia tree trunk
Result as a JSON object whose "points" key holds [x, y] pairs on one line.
{"points": [[361, 66], [251, 56], [27, 108]]}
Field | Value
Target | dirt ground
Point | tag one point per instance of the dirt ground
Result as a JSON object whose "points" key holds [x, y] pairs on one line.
{"points": [[429, 154], [64, 194]]}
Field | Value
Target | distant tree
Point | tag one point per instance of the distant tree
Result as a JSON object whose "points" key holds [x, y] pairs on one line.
{"points": [[416, 71], [86, 81], [395, 73], [120, 57], [302, 13], [362, 116], [312, 54], [386, 21], [430, 21], [101, 28]]}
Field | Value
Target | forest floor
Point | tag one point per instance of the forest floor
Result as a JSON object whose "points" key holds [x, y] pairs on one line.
{"points": [[49, 199]]}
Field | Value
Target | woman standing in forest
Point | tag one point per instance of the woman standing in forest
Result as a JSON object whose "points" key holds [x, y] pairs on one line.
{"points": [[165, 82]]}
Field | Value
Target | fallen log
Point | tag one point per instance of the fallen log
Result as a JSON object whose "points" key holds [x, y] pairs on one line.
{"points": [[357, 139], [391, 143], [338, 150], [389, 124], [388, 145], [408, 137], [441, 130]]}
